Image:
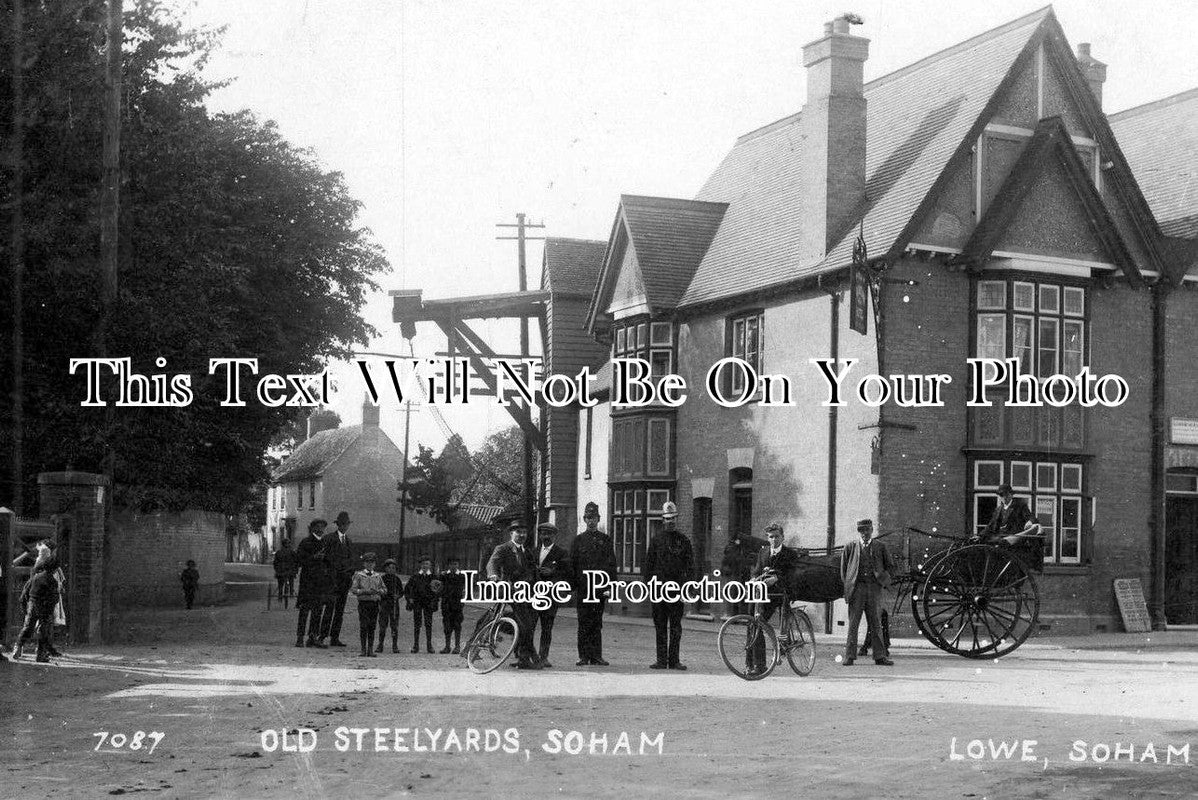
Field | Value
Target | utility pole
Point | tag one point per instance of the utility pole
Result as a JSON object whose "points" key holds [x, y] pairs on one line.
{"points": [[17, 253], [521, 237]]}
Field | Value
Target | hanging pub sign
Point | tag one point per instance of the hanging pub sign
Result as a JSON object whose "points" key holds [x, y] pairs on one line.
{"points": [[859, 289]]}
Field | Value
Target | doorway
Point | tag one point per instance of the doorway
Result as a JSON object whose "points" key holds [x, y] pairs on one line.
{"points": [[1181, 559]]}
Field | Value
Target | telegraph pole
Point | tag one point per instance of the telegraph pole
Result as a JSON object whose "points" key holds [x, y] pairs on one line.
{"points": [[17, 253], [521, 237]]}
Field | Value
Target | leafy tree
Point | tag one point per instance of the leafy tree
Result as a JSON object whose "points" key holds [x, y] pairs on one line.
{"points": [[233, 243], [499, 467], [435, 483]]}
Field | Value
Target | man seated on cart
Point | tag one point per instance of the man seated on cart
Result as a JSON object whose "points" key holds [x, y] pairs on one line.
{"points": [[1014, 524], [775, 567]]}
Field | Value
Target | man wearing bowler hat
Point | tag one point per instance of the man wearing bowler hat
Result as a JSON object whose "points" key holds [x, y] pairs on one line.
{"points": [[511, 564], [865, 567], [342, 566], [591, 549], [552, 565], [670, 558]]}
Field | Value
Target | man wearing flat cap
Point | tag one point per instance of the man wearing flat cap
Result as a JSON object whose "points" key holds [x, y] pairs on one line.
{"points": [[552, 564], [342, 565], [865, 568], [511, 563], [776, 567], [591, 549]]}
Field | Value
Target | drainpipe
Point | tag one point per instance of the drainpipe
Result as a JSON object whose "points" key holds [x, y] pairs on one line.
{"points": [[835, 355], [1156, 601]]}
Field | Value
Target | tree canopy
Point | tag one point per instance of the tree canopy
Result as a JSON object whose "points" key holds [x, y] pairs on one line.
{"points": [[233, 243]]}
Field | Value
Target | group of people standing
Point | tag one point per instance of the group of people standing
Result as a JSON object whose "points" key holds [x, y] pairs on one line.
{"points": [[328, 574]]}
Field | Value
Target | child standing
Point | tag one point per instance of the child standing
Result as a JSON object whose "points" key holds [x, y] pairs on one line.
{"points": [[191, 581], [368, 586], [422, 602], [389, 607], [39, 597], [453, 589]]}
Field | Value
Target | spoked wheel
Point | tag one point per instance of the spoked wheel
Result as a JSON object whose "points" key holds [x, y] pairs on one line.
{"points": [[979, 601], [798, 642], [737, 639], [492, 645]]}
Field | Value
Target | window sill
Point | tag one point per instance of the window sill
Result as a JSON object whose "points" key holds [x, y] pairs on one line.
{"points": [[1060, 453], [1066, 569]]}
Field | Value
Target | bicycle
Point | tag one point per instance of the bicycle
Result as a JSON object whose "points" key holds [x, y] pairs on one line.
{"points": [[739, 635], [492, 642]]}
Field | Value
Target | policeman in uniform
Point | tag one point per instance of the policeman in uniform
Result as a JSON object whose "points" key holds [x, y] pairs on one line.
{"points": [[591, 549], [670, 558]]}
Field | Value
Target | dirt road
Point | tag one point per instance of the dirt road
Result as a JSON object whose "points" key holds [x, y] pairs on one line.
{"points": [[231, 698]]}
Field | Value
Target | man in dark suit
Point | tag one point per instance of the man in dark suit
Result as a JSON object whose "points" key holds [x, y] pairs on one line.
{"points": [[314, 599], [453, 589], [342, 565], [670, 558], [865, 568], [776, 566], [552, 565], [591, 550], [511, 563], [1015, 524]]}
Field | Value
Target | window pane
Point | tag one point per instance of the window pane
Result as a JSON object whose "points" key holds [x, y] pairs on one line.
{"points": [[638, 542], [1181, 483], [638, 502], [992, 295], [992, 336], [659, 447], [657, 499], [1023, 421], [987, 474], [642, 337], [752, 343], [1021, 343], [1024, 296], [661, 332], [1048, 421], [1071, 477], [1046, 515], [1075, 301], [1048, 347], [1071, 347], [1071, 529], [659, 363], [983, 511], [1046, 477], [1021, 475], [620, 335], [1050, 299], [638, 448]]}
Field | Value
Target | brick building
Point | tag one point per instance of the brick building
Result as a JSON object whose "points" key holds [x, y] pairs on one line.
{"points": [[356, 469], [1003, 215]]}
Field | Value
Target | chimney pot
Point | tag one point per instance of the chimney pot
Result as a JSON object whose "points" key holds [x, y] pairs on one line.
{"points": [[840, 25], [1092, 69]]}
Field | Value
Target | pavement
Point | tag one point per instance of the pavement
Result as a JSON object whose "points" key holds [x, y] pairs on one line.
{"points": [[237, 712]]}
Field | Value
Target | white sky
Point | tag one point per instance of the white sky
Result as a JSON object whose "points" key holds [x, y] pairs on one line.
{"points": [[448, 116]]}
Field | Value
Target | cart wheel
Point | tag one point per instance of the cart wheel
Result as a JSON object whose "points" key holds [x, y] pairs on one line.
{"points": [[736, 640], [798, 640], [491, 647], [979, 601]]}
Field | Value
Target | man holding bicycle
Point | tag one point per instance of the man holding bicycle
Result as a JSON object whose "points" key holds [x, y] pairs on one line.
{"points": [[511, 563], [776, 568]]}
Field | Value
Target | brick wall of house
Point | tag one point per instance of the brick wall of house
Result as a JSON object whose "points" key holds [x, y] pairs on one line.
{"points": [[1181, 337], [149, 551], [925, 476]]}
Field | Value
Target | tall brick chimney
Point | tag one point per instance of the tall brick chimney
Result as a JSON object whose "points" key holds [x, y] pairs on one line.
{"points": [[1093, 69], [370, 414], [833, 128]]}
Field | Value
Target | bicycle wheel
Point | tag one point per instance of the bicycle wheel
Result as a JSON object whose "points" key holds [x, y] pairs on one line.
{"points": [[798, 642], [736, 640], [492, 646]]}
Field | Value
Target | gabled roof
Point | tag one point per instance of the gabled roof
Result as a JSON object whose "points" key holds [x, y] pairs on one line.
{"points": [[668, 236], [571, 266], [918, 117], [313, 456], [1160, 142], [1049, 140]]}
